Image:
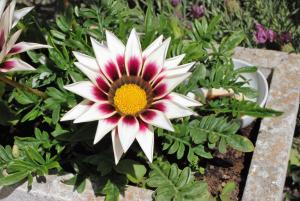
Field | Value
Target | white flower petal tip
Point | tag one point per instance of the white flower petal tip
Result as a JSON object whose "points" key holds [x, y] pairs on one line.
{"points": [[105, 126], [117, 147], [106, 61], [171, 109], [133, 54], [114, 44], [76, 111], [145, 138], [87, 61], [98, 111], [155, 44], [154, 62], [128, 128], [12, 65], [179, 69], [19, 14], [86, 89], [157, 118], [168, 84], [173, 62], [25, 46]]}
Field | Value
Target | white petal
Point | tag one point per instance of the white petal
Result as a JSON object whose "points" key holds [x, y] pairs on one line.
{"points": [[117, 147], [133, 54], [173, 62], [5, 23], [155, 44], [2, 6], [88, 61], [171, 110], [127, 128], [154, 62], [76, 111], [97, 111], [15, 64], [85, 89], [105, 126], [183, 100], [168, 84], [24, 46], [114, 44], [145, 138], [11, 42], [19, 14], [106, 61], [157, 118], [179, 69]]}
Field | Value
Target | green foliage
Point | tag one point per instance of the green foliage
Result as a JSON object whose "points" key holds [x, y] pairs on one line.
{"points": [[132, 169], [194, 136], [25, 161], [238, 108], [172, 183], [227, 190]]}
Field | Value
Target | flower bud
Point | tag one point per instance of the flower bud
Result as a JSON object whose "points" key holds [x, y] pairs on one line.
{"points": [[175, 3], [197, 11]]}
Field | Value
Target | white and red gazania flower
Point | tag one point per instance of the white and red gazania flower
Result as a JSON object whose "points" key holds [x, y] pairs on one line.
{"points": [[130, 91], [8, 47]]}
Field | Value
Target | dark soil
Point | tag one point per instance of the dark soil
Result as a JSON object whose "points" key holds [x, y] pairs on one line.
{"points": [[230, 167]]}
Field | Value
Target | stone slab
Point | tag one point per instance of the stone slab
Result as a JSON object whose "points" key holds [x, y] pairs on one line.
{"points": [[267, 173], [263, 58], [54, 190]]}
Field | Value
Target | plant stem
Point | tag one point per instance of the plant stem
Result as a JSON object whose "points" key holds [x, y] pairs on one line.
{"points": [[12, 83]]}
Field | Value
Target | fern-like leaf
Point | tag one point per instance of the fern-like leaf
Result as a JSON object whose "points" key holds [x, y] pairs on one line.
{"points": [[172, 183]]}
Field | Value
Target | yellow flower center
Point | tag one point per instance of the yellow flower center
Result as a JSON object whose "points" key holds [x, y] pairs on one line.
{"points": [[130, 99]]}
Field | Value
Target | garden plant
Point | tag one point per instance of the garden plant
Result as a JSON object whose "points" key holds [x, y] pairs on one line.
{"points": [[116, 95]]}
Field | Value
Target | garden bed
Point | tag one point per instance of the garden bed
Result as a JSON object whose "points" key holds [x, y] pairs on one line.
{"points": [[268, 166], [169, 114]]}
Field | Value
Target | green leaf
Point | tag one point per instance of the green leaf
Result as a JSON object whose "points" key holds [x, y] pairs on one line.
{"points": [[132, 169], [227, 190], [228, 44], [171, 183], [240, 143], [111, 191], [246, 69], [295, 157], [13, 178]]}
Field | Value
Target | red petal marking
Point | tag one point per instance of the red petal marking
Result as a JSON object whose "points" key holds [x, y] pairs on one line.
{"points": [[130, 120], [158, 80], [111, 70], [99, 94], [2, 40], [106, 108], [149, 115], [113, 119], [90, 103], [168, 97], [121, 64], [150, 71], [15, 49], [160, 89], [133, 66], [160, 106], [143, 126], [102, 84], [7, 65]]}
